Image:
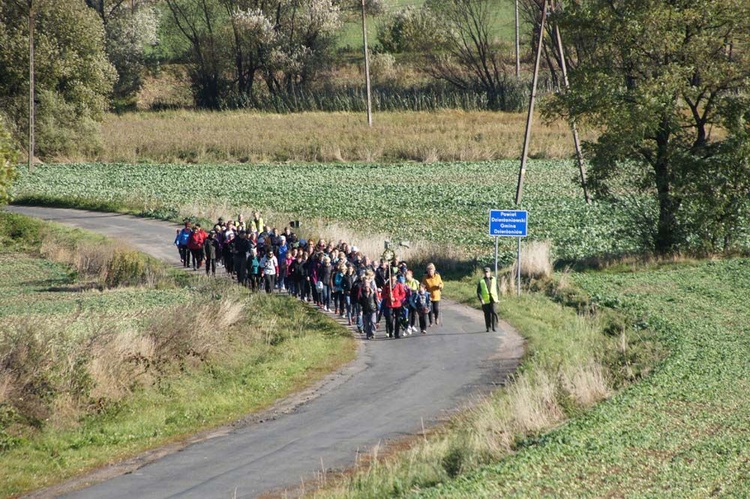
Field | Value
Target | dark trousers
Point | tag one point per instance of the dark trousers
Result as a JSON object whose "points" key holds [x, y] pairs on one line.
{"points": [[392, 318], [184, 255], [412, 316], [197, 258], [270, 282], [490, 315], [255, 282], [423, 321], [211, 266], [229, 262], [434, 312], [240, 265]]}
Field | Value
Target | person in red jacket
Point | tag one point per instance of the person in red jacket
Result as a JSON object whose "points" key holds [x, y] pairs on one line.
{"points": [[195, 245], [394, 295]]}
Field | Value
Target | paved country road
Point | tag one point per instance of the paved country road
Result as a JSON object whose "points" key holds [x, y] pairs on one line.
{"points": [[391, 390]]}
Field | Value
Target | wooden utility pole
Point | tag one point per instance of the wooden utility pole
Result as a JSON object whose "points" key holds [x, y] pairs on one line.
{"points": [[529, 118], [32, 111], [573, 127], [518, 46], [367, 66]]}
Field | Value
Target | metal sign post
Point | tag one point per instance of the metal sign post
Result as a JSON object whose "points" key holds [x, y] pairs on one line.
{"points": [[497, 239], [509, 223], [518, 270]]}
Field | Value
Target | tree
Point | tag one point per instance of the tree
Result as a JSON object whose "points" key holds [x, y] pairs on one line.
{"points": [[73, 76], [655, 77], [131, 28], [475, 60], [412, 29], [234, 42], [7, 163]]}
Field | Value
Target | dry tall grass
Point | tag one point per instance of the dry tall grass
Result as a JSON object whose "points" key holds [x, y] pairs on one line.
{"points": [[486, 432], [536, 261], [242, 136], [110, 264], [55, 370]]}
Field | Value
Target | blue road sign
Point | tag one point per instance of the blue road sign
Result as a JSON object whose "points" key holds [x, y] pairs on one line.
{"points": [[508, 223]]}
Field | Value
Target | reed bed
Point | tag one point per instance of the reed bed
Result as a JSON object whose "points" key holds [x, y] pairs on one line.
{"points": [[243, 136]]}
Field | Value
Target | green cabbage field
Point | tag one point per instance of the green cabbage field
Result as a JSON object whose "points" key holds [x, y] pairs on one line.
{"points": [[445, 203]]}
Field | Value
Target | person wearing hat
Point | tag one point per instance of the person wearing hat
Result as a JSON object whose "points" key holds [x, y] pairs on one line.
{"points": [[488, 297]]}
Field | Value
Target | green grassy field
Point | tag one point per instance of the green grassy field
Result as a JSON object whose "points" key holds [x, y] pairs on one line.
{"points": [[91, 374], [681, 432]]}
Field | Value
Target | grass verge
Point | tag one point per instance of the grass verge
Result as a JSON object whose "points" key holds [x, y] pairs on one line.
{"points": [[574, 360], [681, 431], [93, 370]]}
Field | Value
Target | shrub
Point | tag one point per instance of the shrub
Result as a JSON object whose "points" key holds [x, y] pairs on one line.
{"points": [[129, 267], [411, 30], [7, 163]]}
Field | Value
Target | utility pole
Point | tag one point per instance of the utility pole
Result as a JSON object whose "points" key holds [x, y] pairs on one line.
{"points": [[573, 127], [367, 66], [529, 118], [518, 46], [32, 112]]}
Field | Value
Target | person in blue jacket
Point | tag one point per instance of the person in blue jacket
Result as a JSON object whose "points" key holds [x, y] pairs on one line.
{"points": [[181, 241]]}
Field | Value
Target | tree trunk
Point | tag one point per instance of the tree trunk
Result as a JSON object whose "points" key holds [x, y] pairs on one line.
{"points": [[667, 227]]}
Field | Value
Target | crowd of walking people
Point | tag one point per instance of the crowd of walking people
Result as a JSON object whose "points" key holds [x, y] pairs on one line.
{"points": [[336, 277]]}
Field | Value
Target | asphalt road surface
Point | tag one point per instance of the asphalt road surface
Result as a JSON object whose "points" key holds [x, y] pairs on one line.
{"points": [[393, 390]]}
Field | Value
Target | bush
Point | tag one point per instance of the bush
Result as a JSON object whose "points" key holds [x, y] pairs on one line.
{"points": [[130, 268], [61, 132], [7, 163], [411, 30]]}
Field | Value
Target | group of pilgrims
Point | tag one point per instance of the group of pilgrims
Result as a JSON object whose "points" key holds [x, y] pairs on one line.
{"points": [[337, 278]]}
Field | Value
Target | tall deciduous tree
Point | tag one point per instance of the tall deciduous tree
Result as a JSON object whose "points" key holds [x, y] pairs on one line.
{"points": [[476, 59], [656, 77], [131, 28], [73, 76], [232, 42]]}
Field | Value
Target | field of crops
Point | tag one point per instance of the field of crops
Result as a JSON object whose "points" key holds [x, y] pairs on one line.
{"points": [[443, 203], [681, 432]]}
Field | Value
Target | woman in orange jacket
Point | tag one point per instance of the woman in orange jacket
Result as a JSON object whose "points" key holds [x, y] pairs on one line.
{"points": [[434, 285]]}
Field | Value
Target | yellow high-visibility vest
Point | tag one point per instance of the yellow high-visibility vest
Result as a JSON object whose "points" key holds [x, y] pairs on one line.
{"points": [[486, 293]]}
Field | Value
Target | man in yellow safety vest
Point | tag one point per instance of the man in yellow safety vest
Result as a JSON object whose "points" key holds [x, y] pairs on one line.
{"points": [[488, 296]]}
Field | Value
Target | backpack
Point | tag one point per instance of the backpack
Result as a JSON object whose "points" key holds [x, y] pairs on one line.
{"points": [[337, 279]]}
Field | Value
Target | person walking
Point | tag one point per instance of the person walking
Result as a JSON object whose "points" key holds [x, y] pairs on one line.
{"points": [[195, 245], [368, 301], [394, 294], [412, 286], [488, 297], [434, 284], [254, 269], [242, 252], [421, 303], [181, 241], [210, 250], [270, 266]]}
